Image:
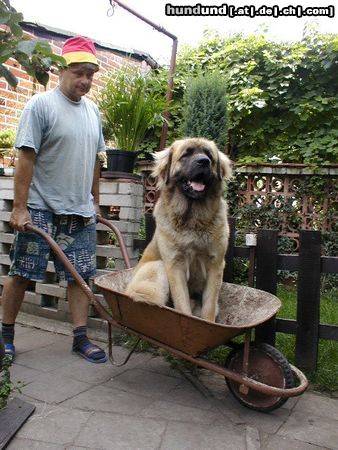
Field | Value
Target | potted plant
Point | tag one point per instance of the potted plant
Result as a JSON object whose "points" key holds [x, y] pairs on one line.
{"points": [[7, 141], [129, 109]]}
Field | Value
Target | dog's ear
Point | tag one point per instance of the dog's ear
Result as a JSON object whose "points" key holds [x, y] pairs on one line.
{"points": [[162, 166], [224, 166]]}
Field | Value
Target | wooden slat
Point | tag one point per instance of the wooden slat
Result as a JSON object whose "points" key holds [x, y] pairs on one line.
{"points": [[308, 304], [266, 278], [287, 262], [287, 326], [242, 252], [329, 332], [228, 274], [150, 226], [12, 418], [329, 264]]}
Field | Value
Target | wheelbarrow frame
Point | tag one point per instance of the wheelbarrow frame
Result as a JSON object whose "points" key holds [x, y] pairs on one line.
{"points": [[242, 378]]}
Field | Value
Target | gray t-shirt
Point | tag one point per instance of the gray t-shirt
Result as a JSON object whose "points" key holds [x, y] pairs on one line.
{"points": [[66, 137]]}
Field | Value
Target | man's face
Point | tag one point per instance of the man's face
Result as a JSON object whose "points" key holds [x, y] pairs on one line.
{"points": [[76, 80]]}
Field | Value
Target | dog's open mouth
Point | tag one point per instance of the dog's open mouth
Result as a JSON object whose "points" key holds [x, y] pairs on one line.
{"points": [[196, 187]]}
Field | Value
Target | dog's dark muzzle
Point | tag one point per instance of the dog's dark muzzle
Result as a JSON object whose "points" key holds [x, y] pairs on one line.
{"points": [[195, 182]]}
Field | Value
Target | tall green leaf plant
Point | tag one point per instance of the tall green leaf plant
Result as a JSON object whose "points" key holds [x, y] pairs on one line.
{"points": [[129, 108]]}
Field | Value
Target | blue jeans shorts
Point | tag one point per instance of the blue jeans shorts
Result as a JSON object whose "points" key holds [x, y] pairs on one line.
{"points": [[75, 235]]}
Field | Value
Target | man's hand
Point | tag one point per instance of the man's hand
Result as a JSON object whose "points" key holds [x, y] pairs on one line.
{"points": [[19, 218], [97, 210]]}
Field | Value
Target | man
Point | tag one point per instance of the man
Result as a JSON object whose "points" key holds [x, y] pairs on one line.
{"points": [[56, 188]]}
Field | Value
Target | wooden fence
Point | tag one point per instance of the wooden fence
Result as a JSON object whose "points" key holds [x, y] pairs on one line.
{"points": [[264, 262], [310, 265]]}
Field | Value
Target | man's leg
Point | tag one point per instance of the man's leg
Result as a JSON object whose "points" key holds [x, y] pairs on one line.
{"points": [[12, 297], [81, 240], [78, 305]]}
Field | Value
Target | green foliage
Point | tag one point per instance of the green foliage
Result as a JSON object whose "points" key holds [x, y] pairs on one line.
{"points": [[7, 138], [325, 377], [282, 98], [129, 108], [6, 386], [35, 56], [205, 109]]}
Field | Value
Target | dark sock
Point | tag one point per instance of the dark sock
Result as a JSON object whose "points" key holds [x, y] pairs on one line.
{"points": [[7, 330], [80, 336], [81, 342]]}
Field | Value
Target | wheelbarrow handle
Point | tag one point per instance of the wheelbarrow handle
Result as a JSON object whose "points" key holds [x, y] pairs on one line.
{"points": [[120, 239], [63, 259], [68, 265]]}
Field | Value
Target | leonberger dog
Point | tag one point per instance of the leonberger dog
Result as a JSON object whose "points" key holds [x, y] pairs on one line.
{"points": [[184, 261]]}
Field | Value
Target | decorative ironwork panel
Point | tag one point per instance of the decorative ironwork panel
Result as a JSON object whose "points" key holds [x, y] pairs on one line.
{"points": [[278, 188]]}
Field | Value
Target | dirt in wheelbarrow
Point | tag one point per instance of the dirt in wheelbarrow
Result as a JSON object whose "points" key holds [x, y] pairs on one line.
{"points": [[244, 306]]}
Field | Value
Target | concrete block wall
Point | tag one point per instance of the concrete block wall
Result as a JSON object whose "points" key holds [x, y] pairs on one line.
{"points": [[121, 201]]}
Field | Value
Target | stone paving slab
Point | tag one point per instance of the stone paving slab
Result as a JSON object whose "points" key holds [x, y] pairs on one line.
{"points": [[54, 424], [51, 388], [25, 444], [106, 399], [116, 431], [141, 381], [319, 430], [177, 412], [186, 436], [283, 443], [147, 404]]}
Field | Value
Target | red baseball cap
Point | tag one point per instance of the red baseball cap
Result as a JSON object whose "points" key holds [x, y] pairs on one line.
{"points": [[79, 49]]}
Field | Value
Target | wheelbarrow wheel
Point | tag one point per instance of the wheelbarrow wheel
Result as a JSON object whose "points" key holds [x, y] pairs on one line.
{"points": [[266, 365]]}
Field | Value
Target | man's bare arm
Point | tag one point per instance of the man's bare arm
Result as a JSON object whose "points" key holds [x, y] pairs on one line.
{"points": [[96, 187], [22, 180]]}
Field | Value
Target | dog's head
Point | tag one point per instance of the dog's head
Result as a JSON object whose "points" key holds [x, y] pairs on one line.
{"points": [[193, 165]]}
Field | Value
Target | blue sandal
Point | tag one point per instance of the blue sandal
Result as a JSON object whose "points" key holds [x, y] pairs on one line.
{"points": [[10, 351], [90, 352]]}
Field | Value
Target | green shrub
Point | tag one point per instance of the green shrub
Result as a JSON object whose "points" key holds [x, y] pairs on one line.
{"points": [[7, 138], [281, 97], [205, 108]]}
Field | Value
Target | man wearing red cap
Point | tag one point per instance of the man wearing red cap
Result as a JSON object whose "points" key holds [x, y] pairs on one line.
{"points": [[56, 188]]}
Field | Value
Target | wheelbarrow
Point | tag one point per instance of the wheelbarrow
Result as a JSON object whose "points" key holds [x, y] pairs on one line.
{"points": [[257, 375]]}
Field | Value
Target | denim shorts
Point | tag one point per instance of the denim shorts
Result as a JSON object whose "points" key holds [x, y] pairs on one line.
{"points": [[75, 235]]}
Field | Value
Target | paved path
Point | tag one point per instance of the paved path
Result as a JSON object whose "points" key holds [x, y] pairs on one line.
{"points": [[148, 405]]}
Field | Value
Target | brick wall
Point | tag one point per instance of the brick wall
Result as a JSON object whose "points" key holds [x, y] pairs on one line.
{"points": [[12, 101]]}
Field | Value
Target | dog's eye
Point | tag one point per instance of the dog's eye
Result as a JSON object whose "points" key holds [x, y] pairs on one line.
{"points": [[188, 152], [209, 154]]}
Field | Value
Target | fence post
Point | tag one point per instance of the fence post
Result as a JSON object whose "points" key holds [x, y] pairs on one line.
{"points": [[228, 274], [150, 225], [266, 278], [308, 301]]}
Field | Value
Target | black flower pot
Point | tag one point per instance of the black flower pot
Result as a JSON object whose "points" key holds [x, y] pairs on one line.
{"points": [[120, 161]]}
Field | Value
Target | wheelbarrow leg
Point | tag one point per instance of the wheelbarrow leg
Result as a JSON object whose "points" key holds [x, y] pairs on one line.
{"points": [[110, 349], [244, 389]]}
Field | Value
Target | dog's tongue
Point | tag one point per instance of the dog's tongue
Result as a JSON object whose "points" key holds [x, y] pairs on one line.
{"points": [[197, 186]]}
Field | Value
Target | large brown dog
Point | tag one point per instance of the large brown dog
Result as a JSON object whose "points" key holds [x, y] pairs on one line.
{"points": [[186, 255]]}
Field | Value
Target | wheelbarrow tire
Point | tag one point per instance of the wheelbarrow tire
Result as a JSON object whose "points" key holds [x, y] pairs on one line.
{"points": [[266, 365]]}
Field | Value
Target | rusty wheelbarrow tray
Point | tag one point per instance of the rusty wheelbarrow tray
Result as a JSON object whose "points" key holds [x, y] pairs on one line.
{"points": [[258, 376]]}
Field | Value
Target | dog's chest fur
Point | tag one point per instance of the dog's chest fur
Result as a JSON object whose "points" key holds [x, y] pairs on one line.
{"points": [[194, 231]]}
